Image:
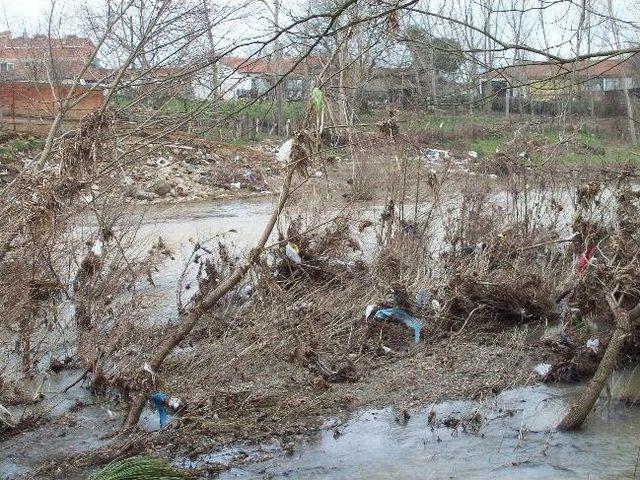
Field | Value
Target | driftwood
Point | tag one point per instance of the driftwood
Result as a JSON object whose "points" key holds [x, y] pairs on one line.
{"points": [[191, 317], [579, 410]]}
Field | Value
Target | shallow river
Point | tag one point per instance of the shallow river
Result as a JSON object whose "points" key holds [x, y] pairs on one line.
{"points": [[513, 439]]}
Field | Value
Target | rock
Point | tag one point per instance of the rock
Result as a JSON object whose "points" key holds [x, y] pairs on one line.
{"points": [[203, 180], [181, 190], [161, 187], [143, 195], [218, 192]]}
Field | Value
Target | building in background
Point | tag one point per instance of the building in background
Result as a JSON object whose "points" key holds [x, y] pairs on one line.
{"points": [[241, 77], [541, 81], [36, 73], [42, 59]]}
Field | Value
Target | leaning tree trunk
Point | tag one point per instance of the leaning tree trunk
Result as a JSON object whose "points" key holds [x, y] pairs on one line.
{"points": [[191, 317], [579, 410]]}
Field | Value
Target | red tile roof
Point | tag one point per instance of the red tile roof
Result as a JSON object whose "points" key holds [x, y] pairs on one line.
{"points": [[584, 69], [267, 65]]}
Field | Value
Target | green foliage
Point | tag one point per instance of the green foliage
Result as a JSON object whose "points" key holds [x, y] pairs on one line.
{"points": [[260, 110], [139, 468], [19, 144]]}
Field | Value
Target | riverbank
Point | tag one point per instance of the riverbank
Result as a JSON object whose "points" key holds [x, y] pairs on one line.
{"points": [[298, 343]]}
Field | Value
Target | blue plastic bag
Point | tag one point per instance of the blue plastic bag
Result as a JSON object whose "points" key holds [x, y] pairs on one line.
{"points": [[402, 316]]}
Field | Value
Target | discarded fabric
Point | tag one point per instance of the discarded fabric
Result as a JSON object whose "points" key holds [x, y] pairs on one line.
{"points": [[593, 344], [158, 400], [318, 98], [402, 316], [584, 258]]}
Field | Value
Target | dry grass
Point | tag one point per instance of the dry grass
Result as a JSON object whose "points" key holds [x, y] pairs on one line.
{"points": [[297, 349], [290, 348]]}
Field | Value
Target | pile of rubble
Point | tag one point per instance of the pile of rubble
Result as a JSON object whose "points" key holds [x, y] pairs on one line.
{"points": [[185, 172]]}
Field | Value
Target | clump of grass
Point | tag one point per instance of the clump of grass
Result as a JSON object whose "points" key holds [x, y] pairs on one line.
{"points": [[140, 468], [19, 144]]}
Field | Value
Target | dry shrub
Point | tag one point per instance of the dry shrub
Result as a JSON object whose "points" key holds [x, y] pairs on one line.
{"points": [[508, 295], [72, 266], [462, 131]]}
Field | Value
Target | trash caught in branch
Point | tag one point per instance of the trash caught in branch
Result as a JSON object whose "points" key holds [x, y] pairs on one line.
{"points": [[293, 253], [542, 369], [397, 314], [284, 152]]}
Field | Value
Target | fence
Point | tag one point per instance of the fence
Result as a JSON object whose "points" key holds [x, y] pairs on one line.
{"points": [[31, 106]]}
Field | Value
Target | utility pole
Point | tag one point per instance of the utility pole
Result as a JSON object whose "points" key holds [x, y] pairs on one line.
{"points": [[278, 72]]}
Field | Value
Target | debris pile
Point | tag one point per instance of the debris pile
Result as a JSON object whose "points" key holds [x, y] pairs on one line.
{"points": [[180, 171]]}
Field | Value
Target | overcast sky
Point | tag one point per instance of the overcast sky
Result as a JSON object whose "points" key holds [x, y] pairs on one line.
{"points": [[560, 18], [19, 15]]}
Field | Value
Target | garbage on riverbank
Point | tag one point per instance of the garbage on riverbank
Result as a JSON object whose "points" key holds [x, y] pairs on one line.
{"points": [[474, 272], [185, 170]]}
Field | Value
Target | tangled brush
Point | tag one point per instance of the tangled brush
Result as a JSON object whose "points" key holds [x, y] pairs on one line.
{"points": [[80, 152], [505, 294]]}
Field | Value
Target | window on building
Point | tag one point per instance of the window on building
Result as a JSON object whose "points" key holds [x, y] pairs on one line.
{"points": [[611, 84], [594, 85], [6, 68]]}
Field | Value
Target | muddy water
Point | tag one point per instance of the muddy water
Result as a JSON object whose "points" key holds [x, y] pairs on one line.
{"points": [[78, 422], [514, 438], [63, 433], [237, 222]]}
